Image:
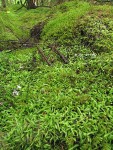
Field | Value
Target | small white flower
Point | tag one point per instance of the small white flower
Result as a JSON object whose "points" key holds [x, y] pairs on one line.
{"points": [[21, 67], [94, 55], [75, 55], [15, 93], [18, 87], [1, 103]]}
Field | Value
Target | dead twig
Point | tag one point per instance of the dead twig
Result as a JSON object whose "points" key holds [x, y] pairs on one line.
{"points": [[63, 58], [43, 56]]}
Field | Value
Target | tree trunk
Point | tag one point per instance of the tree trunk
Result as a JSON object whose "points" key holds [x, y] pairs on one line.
{"points": [[59, 1], [31, 4], [4, 3], [42, 2]]}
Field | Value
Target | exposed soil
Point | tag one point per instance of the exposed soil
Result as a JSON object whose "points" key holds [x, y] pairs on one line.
{"points": [[36, 31]]}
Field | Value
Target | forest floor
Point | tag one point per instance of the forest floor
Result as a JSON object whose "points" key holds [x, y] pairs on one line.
{"points": [[67, 105]]}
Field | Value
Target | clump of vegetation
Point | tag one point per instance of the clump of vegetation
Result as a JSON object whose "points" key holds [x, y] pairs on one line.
{"points": [[90, 26], [67, 107], [62, 106], [17, 25], [96, 33], [59, 28], [11, 30]]}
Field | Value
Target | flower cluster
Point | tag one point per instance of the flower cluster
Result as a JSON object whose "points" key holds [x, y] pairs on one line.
{"points": [[16, 91]]}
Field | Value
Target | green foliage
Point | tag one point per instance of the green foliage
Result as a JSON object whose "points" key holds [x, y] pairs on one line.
{"points": [[33, 17], [8, 28], [59, 29], [67, 107], [96, 33], [62, 107], [14, 26], [90, 26]]}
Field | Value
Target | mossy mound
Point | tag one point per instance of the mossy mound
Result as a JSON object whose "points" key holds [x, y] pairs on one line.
{"points": [[16, 25], [96, 33], [60, 28], [83, 24], [63, 106]]}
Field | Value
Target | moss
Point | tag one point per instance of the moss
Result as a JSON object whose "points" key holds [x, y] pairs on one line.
{"points": [[71, 103], [60, 27], [17, 25], [95, 32]]}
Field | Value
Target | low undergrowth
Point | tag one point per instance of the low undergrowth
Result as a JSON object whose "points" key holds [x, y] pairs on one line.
{"points": [[59, 28], [96, 30], [59, 107], [81, 23], [63, 106], [16, 25]]}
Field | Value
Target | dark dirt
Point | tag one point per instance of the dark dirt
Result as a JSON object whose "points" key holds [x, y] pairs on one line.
{"points": [[36, 31]]}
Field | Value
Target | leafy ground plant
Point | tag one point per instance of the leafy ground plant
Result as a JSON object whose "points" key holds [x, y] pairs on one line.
{"points": [[59, 107], [63, 106]]}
